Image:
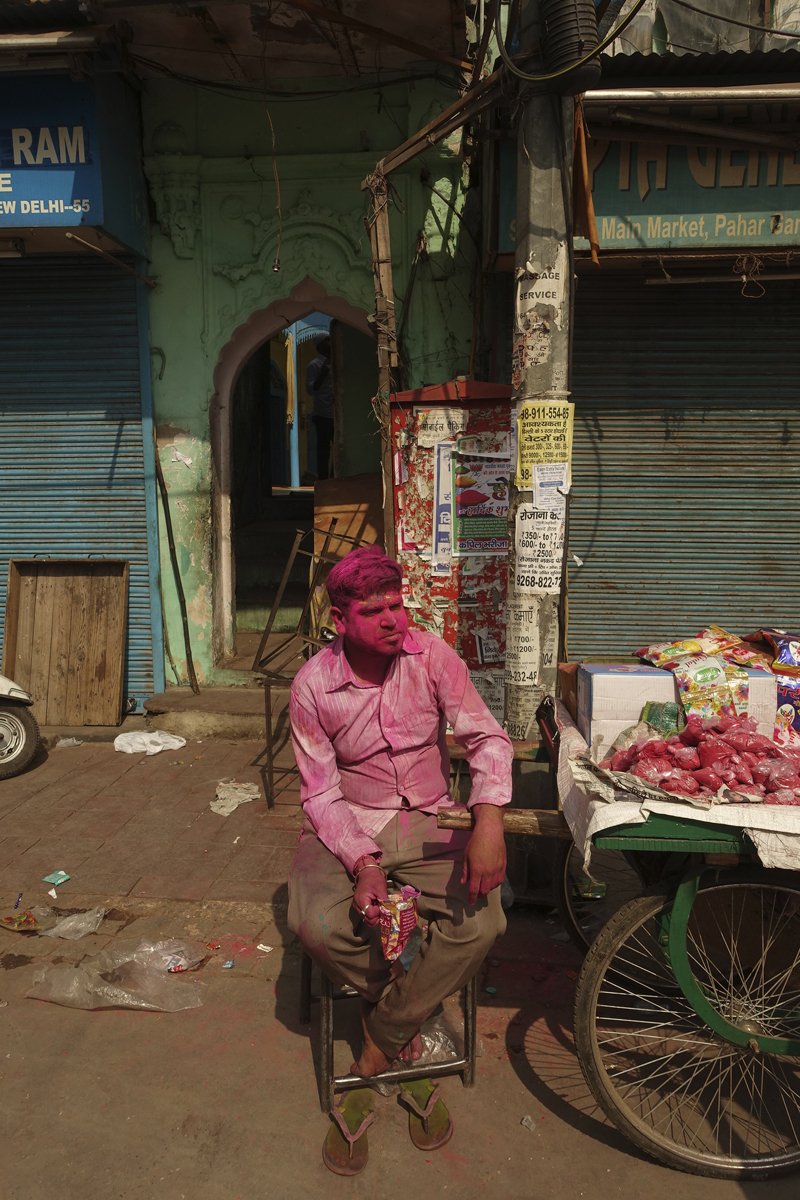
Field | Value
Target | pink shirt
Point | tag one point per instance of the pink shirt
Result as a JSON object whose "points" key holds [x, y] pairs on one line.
{"points": [[365, 751]]}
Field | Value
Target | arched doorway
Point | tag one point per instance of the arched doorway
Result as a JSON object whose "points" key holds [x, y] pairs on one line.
{"points": [[248, 351]]}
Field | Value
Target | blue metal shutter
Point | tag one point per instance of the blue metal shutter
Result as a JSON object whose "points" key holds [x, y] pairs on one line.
{"points": [[72, 480], [686, 471]]}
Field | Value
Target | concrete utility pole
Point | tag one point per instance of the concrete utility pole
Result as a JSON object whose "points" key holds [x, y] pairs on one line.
{"points": [[541, 362]]}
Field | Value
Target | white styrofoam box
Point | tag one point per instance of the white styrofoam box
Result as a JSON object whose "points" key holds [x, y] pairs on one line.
{"points": [[614, 692], [763, 703]]}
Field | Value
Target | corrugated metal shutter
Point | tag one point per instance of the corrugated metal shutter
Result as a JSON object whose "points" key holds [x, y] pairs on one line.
{"points": [[686, 467], [71, 458]]}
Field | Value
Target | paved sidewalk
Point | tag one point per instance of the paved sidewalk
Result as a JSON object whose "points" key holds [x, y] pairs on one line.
{"points": [[125, 825]]}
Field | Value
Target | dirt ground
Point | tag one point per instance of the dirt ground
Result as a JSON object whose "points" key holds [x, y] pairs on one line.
{"points": [[220, 1102]]}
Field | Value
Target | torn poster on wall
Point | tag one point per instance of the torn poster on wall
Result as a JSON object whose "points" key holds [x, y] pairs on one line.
{"points": [[544, 436], [480, 504]]}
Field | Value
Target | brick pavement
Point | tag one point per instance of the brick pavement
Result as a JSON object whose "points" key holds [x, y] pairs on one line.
{"points": [[129, 825]]}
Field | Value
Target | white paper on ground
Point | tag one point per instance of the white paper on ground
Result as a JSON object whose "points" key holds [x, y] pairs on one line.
{"points": [[230, 795], [148, 743]]}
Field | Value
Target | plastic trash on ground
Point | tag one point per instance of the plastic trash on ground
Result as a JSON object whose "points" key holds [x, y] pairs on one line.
{"points": [[76, 926], [148, 743], [66, 743], [136, 977], [231, 794]]}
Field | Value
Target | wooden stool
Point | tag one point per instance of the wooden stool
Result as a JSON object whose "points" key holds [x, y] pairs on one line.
{"points": [[329, 1082]]}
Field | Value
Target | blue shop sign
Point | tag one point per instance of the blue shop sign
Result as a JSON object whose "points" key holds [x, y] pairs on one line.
{"points": [[651, 195], [49, 158]]}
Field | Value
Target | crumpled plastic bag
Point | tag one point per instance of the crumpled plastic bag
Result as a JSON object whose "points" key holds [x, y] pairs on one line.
{"points": [[231, 794], [148, 743], [76, 926], [118, 978]]}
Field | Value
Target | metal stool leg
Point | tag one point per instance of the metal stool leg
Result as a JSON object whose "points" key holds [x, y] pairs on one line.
{"points": [[305, 989], [470, 1030], [326, 1075]]}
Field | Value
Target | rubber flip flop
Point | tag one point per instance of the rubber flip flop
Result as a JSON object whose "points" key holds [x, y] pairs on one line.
{"points": [[429, 1123], [345, 1149]]}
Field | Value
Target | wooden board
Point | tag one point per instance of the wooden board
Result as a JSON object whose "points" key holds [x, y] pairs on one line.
{"points": [[65, 635], [537, 822]]}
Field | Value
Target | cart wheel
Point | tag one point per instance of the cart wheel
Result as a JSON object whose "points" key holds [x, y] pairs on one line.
{"points": [[679, 1091], [584, 905]]}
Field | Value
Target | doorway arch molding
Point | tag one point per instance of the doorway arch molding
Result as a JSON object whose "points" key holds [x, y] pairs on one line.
{"points": [[305, 297]]}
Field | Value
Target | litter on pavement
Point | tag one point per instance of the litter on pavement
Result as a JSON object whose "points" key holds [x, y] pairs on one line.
{"points": [[265, 948], [76, 926], [56, 878], [68, 743], [148, 743], [137, 977], [528, 1122], [231, 794]]}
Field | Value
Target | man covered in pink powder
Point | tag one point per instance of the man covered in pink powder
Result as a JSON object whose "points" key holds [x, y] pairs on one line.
{"points": [[368, 718]]}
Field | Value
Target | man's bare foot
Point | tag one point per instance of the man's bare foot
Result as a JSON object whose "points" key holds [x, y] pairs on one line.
{"points": [[412, 1051], [373, 1060]]}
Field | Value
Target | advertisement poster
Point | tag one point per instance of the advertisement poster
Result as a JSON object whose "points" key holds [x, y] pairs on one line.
{"points": [[522, 647], [442, 510], [480, 505], [544, 435], [539, 543], [435, 425]]}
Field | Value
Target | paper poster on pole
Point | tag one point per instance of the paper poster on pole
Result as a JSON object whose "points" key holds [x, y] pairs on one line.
{"points": [[480, 505], [539, 544], [522, 647], [441, 559], [544, 435], [435, 425], [490, 686]]}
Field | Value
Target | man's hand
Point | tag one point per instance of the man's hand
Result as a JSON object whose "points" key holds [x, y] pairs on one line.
{"points": [[485, 855], [370, 890]]}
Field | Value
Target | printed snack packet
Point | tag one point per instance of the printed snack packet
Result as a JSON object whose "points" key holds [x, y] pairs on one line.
{"points": [[739, 683], [746, 656], [787, 718], [786, 646], [398, 920], [708, 641], [704, 687]]}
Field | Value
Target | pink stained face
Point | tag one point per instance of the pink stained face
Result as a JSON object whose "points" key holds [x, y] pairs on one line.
{"points": [[377, 625]]}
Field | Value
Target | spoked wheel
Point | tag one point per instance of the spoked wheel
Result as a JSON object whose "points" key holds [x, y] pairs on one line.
{"points": [[585, 905], [19, 739], [682, 1092]]}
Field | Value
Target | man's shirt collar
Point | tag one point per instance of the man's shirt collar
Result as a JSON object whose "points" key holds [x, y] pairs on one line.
{"points": [[340, 672]]}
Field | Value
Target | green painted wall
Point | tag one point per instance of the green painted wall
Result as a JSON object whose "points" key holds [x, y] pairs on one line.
{"points": [[215, 229]]}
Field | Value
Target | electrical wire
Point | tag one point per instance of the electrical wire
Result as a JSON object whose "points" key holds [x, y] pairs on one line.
{"points": [[256, 93], [276, 264], [607, 40], [732, 21]]}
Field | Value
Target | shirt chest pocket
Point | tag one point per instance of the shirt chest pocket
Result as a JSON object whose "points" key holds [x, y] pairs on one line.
{"points": [[415, 726]]}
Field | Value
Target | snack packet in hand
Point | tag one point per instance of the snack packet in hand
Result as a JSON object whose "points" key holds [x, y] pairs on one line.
{"points": [[398, 920]]}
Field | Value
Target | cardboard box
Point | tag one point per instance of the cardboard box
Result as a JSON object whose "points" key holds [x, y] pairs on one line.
{"points": [[568, 683]]}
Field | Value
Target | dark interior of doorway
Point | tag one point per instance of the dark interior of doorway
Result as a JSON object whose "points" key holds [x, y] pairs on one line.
{"points": [[266, 510]]}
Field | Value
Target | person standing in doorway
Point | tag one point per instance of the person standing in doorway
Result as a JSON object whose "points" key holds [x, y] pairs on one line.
{"points": [[319, 386]]}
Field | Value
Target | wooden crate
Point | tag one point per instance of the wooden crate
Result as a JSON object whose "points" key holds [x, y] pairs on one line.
{"points": [[65, 633]]}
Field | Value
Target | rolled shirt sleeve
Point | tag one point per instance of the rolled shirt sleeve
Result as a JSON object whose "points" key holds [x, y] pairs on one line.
{"points": [[320, 785], [488, 747]]}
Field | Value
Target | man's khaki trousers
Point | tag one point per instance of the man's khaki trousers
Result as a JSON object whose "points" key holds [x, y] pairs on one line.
{"points": [[321, 913]]}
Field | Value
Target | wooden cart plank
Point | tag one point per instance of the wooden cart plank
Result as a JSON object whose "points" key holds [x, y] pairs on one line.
{"points": [[538, 822]]}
